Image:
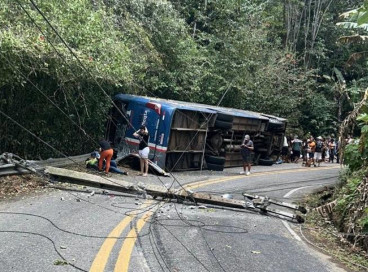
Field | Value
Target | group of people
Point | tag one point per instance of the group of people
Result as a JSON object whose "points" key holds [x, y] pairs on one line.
{"points": [[312, 151], [104, 159]]}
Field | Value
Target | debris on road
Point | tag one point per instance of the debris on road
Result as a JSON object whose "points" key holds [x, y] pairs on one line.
{"points": [[254, 202], [263, 202], [11, 164]]}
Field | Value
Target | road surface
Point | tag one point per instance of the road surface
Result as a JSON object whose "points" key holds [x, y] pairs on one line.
{"points": [[76, 230]]}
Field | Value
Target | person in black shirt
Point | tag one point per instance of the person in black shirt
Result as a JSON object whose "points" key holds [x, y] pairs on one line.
{"points": [[106, 153], [143, 136]]}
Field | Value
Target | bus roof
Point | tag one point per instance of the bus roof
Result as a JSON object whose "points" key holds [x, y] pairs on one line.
{"points": [[172, 104]]}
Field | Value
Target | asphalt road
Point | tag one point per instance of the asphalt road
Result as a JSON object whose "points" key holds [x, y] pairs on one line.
{"points": [[72, 230]]}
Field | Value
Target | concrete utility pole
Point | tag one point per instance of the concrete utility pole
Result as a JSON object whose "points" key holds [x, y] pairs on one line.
{"points": [[251, 202]]}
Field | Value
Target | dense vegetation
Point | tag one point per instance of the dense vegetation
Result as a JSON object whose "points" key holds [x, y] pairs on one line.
{"points": [[351, 198], [281, 57], [62, 61]]}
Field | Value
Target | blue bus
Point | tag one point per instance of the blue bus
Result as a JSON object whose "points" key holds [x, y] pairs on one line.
{"points": [[188, 136]]}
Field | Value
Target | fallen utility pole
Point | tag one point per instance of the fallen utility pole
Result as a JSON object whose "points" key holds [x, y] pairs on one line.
{"points": [[180, 195], [11, 164]]}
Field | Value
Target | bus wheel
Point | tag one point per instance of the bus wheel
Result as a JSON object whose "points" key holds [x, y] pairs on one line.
{"points": [[215, 160], [225, 117], [215, 167], [223, 124], [267, 162]]}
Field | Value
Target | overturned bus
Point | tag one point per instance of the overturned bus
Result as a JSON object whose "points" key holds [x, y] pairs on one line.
{"points": [[189, 136]]}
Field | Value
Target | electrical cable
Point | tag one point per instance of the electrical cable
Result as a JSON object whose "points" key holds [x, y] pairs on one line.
{"points": [[52, 102], [99, 84], [44, 17], [76, 57], [154, 246], [49, 239], [63, 41], [71, 232], [53, 148], [48, 40], [186, 248], [211, 250]]}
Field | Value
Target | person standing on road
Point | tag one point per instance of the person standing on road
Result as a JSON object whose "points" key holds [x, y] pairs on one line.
{"points": [[318, 151], [106, 153], [332, 151], [246, 151], [143, 136], [285, 150], [296, 146], [311, 150]]}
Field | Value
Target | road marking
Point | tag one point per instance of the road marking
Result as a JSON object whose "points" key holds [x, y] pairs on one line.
{"points": [[103, 254], [198, 184], [294, 190], [287, 226], [122, 263]]}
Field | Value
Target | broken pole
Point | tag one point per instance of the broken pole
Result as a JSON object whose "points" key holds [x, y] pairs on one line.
{"points": [[157, 191]]}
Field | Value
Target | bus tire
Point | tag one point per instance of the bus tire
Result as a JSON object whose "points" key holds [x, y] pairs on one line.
{"points": [[223, 124], [225, 117], [215, 167], [215, 160], [267, 162]]}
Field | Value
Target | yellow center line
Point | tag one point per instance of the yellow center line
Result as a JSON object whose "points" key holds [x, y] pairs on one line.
{"points": [[122, 263], [199, 184], [103, 254], [126, 250]]}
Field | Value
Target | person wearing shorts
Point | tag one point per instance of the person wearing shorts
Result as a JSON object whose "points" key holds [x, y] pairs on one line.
{"points": [[311, 150], [143, 136], [246, 152], [296, 145], [318, 151]]}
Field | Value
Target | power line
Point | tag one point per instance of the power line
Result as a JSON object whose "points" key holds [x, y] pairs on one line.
{"points": [[52, 102], [49, 239], [100, 85], [76, 57]]}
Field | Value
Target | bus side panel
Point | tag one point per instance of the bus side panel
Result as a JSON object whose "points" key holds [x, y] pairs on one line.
{"points": [[162, 139], [158, 126]]}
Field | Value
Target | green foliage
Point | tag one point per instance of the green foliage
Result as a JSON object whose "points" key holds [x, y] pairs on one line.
{"points": [[348, 193], [352, 157], [186, 50]]}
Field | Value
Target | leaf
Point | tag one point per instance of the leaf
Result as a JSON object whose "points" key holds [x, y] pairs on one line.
{"points": [[339, 75], [348, 14], [363, 19], [60, 262], [353, 39], [365, 129], [363, 117]]}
